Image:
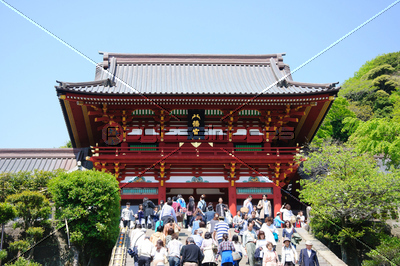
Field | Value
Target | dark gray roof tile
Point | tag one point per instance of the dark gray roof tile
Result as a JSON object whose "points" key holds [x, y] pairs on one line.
{"points": [[192, 75]]}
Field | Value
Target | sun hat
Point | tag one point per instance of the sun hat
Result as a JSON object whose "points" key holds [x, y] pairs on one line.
{"points": [[308, 243]]}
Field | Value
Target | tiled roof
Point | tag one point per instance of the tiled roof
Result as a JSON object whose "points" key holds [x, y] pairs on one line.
{"points": [[15, 160], [193, 75]]}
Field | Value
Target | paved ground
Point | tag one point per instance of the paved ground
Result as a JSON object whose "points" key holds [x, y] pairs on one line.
{"points": [[325, 256]]}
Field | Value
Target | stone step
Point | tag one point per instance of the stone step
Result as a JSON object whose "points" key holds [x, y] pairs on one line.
{"points": [[183, 235]]}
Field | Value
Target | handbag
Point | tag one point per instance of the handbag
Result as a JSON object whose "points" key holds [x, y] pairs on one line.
{"points": [[236, 255], [296, 239]]}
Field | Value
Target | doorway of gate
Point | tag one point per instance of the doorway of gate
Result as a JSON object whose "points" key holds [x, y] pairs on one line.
{"points": [[212, 194]]}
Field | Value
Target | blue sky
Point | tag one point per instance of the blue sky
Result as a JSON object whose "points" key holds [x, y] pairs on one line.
{"points": [[32, 60]]}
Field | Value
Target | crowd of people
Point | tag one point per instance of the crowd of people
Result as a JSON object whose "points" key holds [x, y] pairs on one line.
{"points": [[255, 236]]}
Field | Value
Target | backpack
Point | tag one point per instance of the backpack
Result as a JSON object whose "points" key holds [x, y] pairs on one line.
{"points": [[159, 223], [203, 206]]}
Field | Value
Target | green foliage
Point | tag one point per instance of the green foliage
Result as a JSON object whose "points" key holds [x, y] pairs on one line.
{"points": [[350, 125], [20, 245], [384, 69], [392, 59], [23, 262], [373, 92], [35, 233], [333, 123], [13, 183], [363, 112], [3, 255], [345, 190], [386, 254], [385, 83], [90, 201], [31, 206], [356, 90], [68, 144], [7, 212], [379, 136]]}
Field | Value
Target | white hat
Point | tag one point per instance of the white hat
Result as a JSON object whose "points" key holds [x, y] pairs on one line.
{"points": [[308, 243]]}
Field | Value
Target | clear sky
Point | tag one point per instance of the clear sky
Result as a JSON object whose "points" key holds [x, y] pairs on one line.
{"points": [[32, 61]]}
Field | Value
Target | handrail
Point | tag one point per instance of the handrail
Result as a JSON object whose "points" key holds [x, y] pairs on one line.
{"points": [[118, 255]]}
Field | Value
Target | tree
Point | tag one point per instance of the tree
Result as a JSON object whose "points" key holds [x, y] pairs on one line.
{"points": [[24, 262], [32, 207], [7, 213], [386, 254], [347, 193], [379, 136], [333, 123], [14, 183], [68, 144], [89, 200]]}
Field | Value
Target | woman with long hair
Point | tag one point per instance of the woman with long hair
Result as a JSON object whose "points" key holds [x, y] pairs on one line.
{"points": [[238, 248], [208, 246], [225, 249], [288, 231], [191, 208], [140, 216], [161, 254]]}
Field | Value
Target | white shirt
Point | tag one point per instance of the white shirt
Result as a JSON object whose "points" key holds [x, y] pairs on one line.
{"points": [[286, 214], [269, 236], [146, 249], [137, 239], [174, 248], [126, 214], [159, 255], [309, 252]]}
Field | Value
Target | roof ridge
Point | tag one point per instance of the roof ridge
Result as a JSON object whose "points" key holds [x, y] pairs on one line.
{"points": [[255, 59]]}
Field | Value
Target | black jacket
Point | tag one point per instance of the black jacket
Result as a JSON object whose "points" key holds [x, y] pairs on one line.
{"points": [[148, 207]]}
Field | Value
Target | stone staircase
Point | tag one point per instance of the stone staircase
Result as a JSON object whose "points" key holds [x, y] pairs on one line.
{"points": [[325, 256]]}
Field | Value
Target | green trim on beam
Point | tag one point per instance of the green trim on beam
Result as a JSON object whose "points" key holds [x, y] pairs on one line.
{"points": [[179, 112], [139, 191], [214, 112], [266, 190], [249, 113], [248, 146], [143, 147], [143, 112]]}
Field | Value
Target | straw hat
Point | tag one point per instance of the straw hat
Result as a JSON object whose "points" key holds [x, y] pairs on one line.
{"points": [[308, 243]]}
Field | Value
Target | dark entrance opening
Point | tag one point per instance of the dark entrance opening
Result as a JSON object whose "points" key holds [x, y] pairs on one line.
{"points": [[212, 194]]}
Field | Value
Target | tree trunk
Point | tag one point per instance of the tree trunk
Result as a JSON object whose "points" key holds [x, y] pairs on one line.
{"points": [[2, 236], [75, 251], [343, 252], [349, 253]]}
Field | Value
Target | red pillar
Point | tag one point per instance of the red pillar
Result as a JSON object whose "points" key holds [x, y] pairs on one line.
{"points": [[232, 197], [277, 199], [162, 192]]}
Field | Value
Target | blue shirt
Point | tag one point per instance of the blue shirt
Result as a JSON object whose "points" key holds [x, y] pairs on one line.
{"points": [[198, 240], [168, 210], [278, 222], [182, 202]]}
